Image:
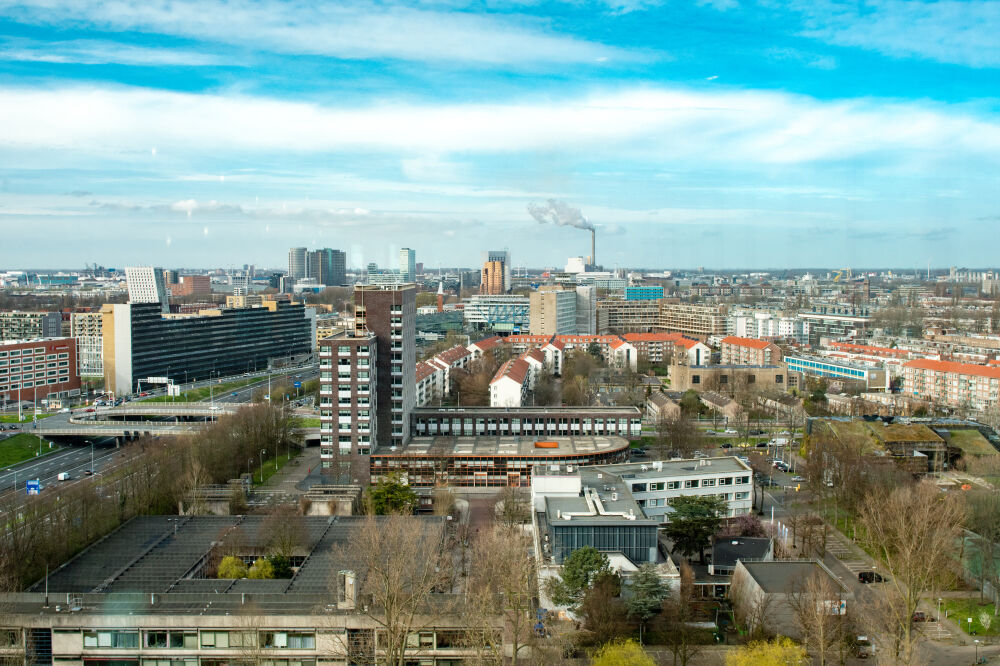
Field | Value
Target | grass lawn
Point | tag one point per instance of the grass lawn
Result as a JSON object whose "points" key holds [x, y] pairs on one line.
{"points": [[20, 448], [308, 422], [960, 610], [972, 443], [25, 417], [205, 392], [272, 465]]}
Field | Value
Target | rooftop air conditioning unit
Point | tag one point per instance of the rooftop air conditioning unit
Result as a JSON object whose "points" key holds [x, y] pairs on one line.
{"points": [[614, 497]]}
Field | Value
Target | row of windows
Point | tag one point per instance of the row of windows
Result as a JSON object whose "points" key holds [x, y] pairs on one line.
{"points": [[126, 639], [689, 483], [27, 385], [25, 352], [663, 501]]}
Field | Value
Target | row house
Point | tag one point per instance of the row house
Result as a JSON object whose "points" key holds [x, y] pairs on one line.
{"points": [[749, 351], [952, 384]]}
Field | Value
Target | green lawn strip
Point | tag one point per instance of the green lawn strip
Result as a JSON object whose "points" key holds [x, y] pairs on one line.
{"points": [[22, 447], [270, 468], [307, 422], [205, 392], [25, 417], [960, 610]]}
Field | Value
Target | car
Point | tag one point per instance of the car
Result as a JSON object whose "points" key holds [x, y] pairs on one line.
{"points": [[867, 577], [762, 445], [757, 432], [727, 445], [781, 465], [920, 616], [730, 431], [64, 476], [144, 394], [798, 479], [862, 647], [90, 409], [88, 472]]}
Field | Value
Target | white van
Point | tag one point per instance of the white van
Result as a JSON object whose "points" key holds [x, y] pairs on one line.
{"points": [[63, 476]]}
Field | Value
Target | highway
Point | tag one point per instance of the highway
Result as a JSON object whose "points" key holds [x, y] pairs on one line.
{"points": [[74, 460]]}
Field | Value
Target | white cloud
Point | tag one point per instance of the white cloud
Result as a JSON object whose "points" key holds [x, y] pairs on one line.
{"points": [[338, 29], [709, 127], [100, 52], [950, 31]]}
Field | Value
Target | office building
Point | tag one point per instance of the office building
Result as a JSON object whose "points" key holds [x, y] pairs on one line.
{"points": [[145, 285], [197, 286], [496, 273], [170, 276], [389, 314], [959, 385], [87, 329], [140, 342], [586, 310], [408, 264], [749, 351], [17, 325], [502, 313], [552, 311], [148, 594], [872, 378], [36, 370], [348, 395], [699, 321], [644, 293], [297, 262], [326, 267], [835, 323]]}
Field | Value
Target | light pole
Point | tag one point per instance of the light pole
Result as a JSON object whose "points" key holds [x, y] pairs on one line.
{"points": [[939, 609], [263, 452], [249, 472], [976, 641]]}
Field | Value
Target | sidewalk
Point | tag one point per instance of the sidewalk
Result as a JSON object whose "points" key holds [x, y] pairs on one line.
{"points": [[298, 475]]}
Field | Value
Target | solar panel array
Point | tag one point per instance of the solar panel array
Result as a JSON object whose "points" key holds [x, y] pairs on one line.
{"points": [[318, 571]]}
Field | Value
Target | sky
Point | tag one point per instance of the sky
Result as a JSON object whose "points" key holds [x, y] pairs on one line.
{"points": [[716, 133]]}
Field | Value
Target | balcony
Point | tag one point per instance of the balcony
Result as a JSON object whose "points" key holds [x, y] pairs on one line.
{"points": [[325, 353]]}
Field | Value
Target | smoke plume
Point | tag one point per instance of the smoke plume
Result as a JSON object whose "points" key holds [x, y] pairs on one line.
{"points": [[559, 213]]}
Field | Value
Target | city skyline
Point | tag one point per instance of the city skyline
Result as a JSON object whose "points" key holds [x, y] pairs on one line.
{"points": [[722, 134]]}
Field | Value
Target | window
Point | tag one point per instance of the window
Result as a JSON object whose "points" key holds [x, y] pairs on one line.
{"points": [[743, 480], [171, 639], [696, 379], [779, 379], [673, 485], [691, 483], [726, 481], [638, 487], [111, 639], [708, 483], [656, 486]]}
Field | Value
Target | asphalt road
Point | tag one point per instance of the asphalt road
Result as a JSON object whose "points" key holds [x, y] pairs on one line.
{"points": [[73, 460]]}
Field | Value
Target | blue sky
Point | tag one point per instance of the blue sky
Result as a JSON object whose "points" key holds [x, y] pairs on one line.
{"points": [[717, 133]]}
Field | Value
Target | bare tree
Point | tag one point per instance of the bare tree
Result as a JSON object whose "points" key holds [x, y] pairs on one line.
{"points": [[983, 520], [402, 563], [815, 603], [502, 580], [512, 507], [677, 435], [284, 530], [912, 529], [675, 621], [11, 634]]}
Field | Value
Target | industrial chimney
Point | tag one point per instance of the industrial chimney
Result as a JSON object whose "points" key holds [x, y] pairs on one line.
{"points": [[440, 297], [593, 247]]}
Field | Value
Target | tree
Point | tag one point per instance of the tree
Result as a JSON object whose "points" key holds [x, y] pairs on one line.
{"points": [[502, 579], [512, 507], [392, 495], [691, 402], [693, 521], [400, 561], [814, 603], [262, 569], [602, 611], [647, 594], [578, 572], [232, 567], [779, 652], [285, 531], [677, 435], [912, 529], [745, 525], [674, 623], [983, 519], [622, 653]]}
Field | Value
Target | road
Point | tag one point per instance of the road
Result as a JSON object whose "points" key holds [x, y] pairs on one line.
{"points": [[73, 460]]}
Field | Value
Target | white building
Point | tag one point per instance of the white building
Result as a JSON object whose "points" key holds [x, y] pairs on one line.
{"points": [[87, 328], [509, 386], [586, 310], [146, 285], [767, 325], [408, 264]]}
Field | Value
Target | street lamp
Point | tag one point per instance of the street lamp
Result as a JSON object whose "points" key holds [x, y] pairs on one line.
{"points": [[939, 609], [976, 641], [263, 452]]}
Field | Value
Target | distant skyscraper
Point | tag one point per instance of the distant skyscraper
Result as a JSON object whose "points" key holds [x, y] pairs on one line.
{"points": [[319, 266], [297, 262], [503, 257], [339, 268], [408, 264], [146, 285]]}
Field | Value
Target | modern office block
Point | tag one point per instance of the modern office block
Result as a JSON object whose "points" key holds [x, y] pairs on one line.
{"points": [[146, 285]]}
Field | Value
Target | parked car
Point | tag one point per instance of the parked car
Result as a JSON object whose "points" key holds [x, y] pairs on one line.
{"points": [[862, 647], [90, 409], [920, 616], [780, 464], [727, 445], [798, 479], [867, 577], [731, 431]]}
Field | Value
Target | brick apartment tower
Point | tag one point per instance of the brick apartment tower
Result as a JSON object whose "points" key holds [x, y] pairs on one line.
{"points": [[389, 313]]}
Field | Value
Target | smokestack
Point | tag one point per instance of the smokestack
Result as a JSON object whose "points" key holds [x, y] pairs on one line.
{"points": [[440, 296], [593, 247]]}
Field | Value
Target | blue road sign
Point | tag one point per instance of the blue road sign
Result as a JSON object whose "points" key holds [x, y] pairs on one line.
{"points": [[298, 384], [34, 486]]}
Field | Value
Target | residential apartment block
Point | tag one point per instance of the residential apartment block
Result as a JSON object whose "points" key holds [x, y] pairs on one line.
{"points": [[749, 351], [88, 331], [348, 396], [552, 310], [17, 325], [873, 378], [960, 385]]}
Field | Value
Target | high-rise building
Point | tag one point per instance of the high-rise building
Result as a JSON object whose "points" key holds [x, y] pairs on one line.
{"points": [[586, 310], [348, 396], [297, 262], [38, 369], [408, 264], [146, 285], [552, 311], [170, 276], [496, 278], [17, 325], [86, 328], [389, 313], [338, 268], [139, 342]]}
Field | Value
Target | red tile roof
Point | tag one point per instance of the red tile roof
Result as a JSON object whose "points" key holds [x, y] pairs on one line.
{"points": [[558, 344], [424, 370], [527, 339], [456, 353], [993, 372], [487, 343], [687, 343], [869, 349], [746, 342], [516, 369], [535, 354]]}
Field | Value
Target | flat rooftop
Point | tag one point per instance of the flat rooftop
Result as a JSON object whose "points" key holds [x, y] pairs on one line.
{"points": [[603, 503], [486, 445], [787, 576], [673, 468], [166, 555]]}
